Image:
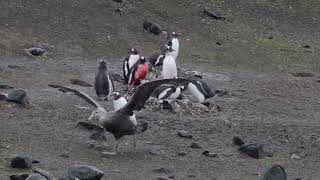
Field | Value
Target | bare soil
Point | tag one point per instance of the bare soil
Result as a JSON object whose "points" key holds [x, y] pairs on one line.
{"points": [[262, 44]]}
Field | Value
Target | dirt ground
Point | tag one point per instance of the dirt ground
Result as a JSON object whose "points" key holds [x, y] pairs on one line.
{"points": [[262, 43]]}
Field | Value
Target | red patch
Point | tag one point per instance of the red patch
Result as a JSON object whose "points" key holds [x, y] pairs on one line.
{"points": [[140, 74]]}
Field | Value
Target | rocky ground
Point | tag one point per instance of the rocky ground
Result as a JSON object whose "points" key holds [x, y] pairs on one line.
{"points": [[253, 55]]}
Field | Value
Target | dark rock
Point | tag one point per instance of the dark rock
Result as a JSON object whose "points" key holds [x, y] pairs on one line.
{"points": [[36, 51], [163, 178], [152, 27], [36, 176], [85, 172], [307, 46], [21, 162], [198, 76], [162, 170], [211, 13], [18, 96], [34, 161], [19, 177], [184, 134], [68, 178], [303, 74], [4, 86], [98, 136], [44, 173], [90, 126], [270, 37], [237, 141], [209, 154], [254, 150], [276, 172], [142, 126], [207, 104], [195, 145], [80, 83], [221, 93], [182, 153], [120, 11], [64, 155], [218, 43], [3, 96], [191, 176], [10, 66]]}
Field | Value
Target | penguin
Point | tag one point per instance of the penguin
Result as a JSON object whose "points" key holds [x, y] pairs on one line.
{"points": [[128, 62], [118, 123], [103, 83], [174, 43], [200, 90], [169, 68], [168, 91], [138, 72]]}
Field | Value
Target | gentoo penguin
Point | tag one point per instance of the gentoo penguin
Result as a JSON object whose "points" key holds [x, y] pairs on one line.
{"points": [[200, 90], [103, 82], [129, 61], [169, 68], [168, 91], [174, 43], [138, 72], [119, 123]]}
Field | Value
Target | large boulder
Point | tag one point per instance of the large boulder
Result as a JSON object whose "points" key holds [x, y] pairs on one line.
{"points": [[83, 172]]}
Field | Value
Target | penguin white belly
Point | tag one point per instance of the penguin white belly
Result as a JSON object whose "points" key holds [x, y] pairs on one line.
{"points": [[110, 85], [163, 93], [119, 103], [196, 93], [132, 60], [176, 94], [169, 68], [175, 47]]}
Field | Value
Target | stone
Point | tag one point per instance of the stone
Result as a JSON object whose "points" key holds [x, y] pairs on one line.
{"points": [[182, 153], [35, 51], [98, 136], [171, 106], [21, 162], [162, 170], [209, 154], [276, 172], [195, 145], [84, 172], [184, 134], [154, 150], [237, 141], [44, 173], [163, 178], [36, 176], [90, 126], [18, 96], [211, 13], [153, 28], [294, 156], [302, 74], [69, 178], [254, 150], [19, 177], [80, 83], [5, 86]]}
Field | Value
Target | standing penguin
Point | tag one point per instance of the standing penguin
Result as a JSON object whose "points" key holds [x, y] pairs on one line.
{"points": [[169, 68], [130, 60], [138, 72], [103, 83], [200, 90], [174, 43], [168, 91]]}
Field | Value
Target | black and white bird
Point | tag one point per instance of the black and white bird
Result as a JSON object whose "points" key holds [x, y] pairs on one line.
{"points": [[119, 123], [200, 90], [128, 62], [103, 83], [174, 43], [168, 91], [169, 67]]}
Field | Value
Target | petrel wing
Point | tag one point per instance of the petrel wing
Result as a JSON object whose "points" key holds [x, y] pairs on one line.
{"points": [[78, 93], [144, 91]]}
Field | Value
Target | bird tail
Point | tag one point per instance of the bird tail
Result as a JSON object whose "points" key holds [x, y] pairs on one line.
{"points": [[142, 126]]}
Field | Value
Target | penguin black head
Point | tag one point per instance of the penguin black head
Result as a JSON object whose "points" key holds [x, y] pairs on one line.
{"points": [[102, 64], [115, 95], [182, 88], [175, 34], [143, 59], [169, 49], [133, 51]]}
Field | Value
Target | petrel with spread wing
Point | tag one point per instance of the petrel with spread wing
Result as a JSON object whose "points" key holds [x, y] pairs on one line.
{"points": [[119, 123]]}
